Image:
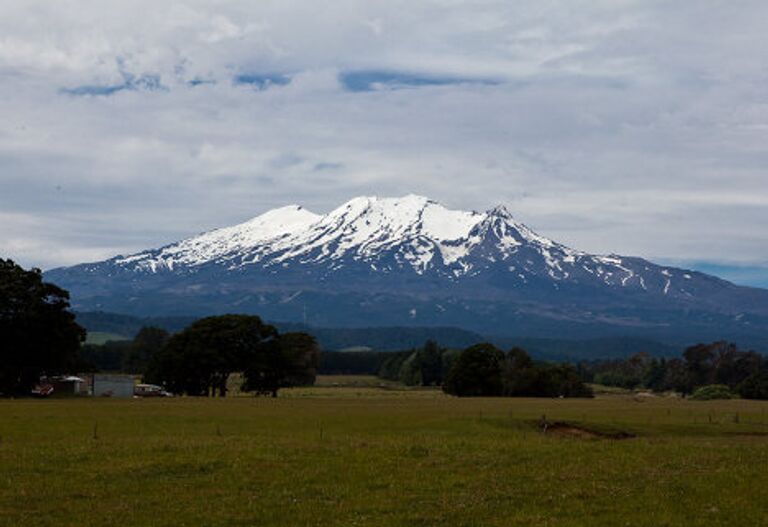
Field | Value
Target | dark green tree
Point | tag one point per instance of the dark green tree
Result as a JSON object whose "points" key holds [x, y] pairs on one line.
{"points": [[654, 376], [147, 342], [477, 372], [265, 371], [448, 360], [558, 380], [302, 354], [200, 359], [720, 363], [754, 387], [110, 356], [677, 377], [38, 333], [733, 366], [423, 367], [289, 360], [392, 365], [410, 370], [700, 361], [519, 375], [430, 363]]}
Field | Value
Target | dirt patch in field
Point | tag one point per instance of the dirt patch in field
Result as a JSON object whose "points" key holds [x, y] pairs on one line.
{"points": [[570, 430]]}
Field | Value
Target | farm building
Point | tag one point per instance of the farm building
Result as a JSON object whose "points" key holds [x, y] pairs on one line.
{"points": [[110, 385], [69, 385]]}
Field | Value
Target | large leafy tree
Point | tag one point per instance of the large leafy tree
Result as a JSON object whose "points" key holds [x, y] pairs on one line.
{"points": [[38, 333], [301, 355], [720, 363], [430, 361], [290, 360], [755, 386], [147, 342], [519, 374], [200, 359], [477, 372], [423, 366]]}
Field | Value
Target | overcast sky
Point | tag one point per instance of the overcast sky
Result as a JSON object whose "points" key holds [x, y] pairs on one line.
{"points": [[634, 127]]}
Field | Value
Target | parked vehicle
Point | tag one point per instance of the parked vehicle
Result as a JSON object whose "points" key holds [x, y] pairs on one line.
{"points": [[42, 390], [150, 390]]}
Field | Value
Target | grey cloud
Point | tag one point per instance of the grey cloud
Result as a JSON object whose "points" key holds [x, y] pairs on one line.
{"points": [[611, 126]]}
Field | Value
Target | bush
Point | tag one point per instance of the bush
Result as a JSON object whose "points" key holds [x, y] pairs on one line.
{"points": [[754, 387], [559, 380], [712, 392]]}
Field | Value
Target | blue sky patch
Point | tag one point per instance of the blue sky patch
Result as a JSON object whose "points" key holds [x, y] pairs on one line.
{"points": [[373, 80], [262, 81], [752, 275], [130, 82], [94, 89], [198, 82], [749, 275]]}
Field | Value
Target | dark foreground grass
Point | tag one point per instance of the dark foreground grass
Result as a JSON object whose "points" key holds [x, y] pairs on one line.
{"points": [[374, 456]]}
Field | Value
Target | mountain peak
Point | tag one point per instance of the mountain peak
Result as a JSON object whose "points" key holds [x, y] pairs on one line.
{"points": [[276, 221], [500, 211], [362, 203]]}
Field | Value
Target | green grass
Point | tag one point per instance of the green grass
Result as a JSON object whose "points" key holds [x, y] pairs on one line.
{"points": [[350, 452], [100, 337]]}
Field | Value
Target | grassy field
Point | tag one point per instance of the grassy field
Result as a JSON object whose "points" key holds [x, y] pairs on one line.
{"points": [[361, 452]]}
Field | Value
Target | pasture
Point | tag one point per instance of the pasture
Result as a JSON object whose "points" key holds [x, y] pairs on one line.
{"points": [[360, 453]]}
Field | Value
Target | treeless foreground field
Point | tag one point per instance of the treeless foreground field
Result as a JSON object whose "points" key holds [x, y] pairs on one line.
{"points": [[376, 455]]}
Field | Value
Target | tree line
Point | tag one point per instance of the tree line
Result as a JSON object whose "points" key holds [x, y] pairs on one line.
{"points": [[40, 336], [713, 364], [483, 370]]}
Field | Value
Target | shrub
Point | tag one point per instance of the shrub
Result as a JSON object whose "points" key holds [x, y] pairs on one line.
{"points": [[712, 392]]}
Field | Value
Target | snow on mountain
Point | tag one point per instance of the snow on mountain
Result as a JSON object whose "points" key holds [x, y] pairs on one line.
{"points": [[364, 227], [220, 243], [399, 234]]}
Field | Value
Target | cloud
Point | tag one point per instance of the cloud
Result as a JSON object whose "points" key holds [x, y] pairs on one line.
{"points": [[611, 126]]}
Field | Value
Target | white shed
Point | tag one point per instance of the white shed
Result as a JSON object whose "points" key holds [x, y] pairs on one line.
{"points": [[106, 385]]}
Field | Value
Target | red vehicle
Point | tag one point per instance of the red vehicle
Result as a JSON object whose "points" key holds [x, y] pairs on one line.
{"points": [[42, 390]]}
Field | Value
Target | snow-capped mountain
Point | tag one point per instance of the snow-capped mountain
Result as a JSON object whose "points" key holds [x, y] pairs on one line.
{"points": [[408, 261], [410, 234]]}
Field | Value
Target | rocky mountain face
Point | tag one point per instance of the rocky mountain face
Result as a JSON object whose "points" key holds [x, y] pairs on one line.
{"points": [[411, 261]]}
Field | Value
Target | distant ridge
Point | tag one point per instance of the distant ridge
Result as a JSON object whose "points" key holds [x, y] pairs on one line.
{"points": [[377, 338], [400, 338], [412, 262]]}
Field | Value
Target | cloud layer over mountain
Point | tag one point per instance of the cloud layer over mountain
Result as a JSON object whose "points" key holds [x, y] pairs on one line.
{"points": [[636, 127]]}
